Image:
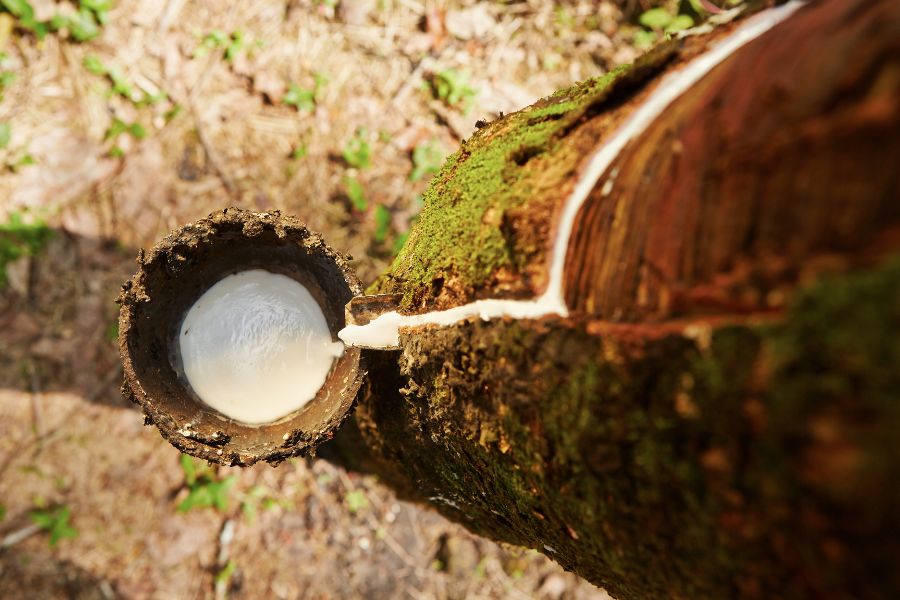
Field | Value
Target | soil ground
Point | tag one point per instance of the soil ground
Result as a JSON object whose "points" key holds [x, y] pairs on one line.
{"points": [[227, 132]]}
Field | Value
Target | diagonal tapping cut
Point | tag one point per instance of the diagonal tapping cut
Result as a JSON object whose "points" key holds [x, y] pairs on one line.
{"points": [[383, 331]]}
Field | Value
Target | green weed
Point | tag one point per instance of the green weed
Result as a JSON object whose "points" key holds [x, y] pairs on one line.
{"points": [[82, 26], [356, 194], [452, 87], [357, 152], [305, 98], [205, 489], [118, 128], [356, 501], [661, 21], [382, 223], [223, 577], [217, 39], [120, 84], [55, 521]]}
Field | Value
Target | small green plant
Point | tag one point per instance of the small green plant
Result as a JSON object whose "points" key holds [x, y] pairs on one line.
{"points": [[217, 39], [299, 152], [661, 21], [452, 87], [356, 194], [82, 26], [382, 223], [356, 501], [19, 238], [305, 98], [26, 160], [55, 521], [205, 490], [119, 127], [357, 152], [223, 577], [120, 84], [300, 98], [172, 112], [426, 158]]}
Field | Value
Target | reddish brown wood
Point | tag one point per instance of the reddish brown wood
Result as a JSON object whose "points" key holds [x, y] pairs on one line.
{"points": [[786, 154]]}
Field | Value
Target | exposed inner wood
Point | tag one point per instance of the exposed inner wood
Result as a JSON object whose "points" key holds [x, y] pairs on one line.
{"points": [[743, 189]]}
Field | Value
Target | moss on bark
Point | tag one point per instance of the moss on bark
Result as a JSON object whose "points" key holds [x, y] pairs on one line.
{"points": [[486, 222], [752, 459]]}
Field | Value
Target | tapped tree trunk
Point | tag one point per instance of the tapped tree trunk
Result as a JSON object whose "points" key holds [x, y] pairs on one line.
{"points": [[716, 412]]}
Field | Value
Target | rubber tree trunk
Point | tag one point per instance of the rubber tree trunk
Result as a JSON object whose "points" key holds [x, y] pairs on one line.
{"points": [[718, 415]]}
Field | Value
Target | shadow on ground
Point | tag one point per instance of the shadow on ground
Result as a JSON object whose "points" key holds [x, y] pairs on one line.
{"points": [[58, 318]]}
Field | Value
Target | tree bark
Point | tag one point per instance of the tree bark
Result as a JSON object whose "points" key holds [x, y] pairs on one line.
{"points": [[718, 415]]}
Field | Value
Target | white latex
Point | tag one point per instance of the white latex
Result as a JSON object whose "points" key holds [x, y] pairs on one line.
{"points": [[256, 347]]}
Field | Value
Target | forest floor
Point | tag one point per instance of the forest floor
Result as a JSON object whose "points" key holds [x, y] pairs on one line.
{"points": [[337, 114]]}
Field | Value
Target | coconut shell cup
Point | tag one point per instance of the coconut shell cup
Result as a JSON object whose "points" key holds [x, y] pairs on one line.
{"points": [[173, 275]]}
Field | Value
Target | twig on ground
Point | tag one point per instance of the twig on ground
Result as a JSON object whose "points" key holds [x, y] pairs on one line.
{"points": [[17, 536]]}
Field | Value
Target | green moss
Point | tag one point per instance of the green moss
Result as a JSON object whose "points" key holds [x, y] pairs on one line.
{"points": [[460, 231], [678, 468]]}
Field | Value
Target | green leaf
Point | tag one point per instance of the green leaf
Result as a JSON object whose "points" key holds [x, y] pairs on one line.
{"points": [[137, 131], [357, 152], [117, 128], [97, 5], [300, 98], [382, 223], [93, 64], [453, 88], [656, 18], [151, 99], [83, 25], [219, 491], [356, 193], [198, 497], [19, 8], [680, 23], [299, 152], [56, 522], [120, 84], [5, 134], [24, 161], [644, 39], [224, 575], [356, 501], [235, 45], [57, 22], [172, 112], [189, 468], [2, 512]]}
